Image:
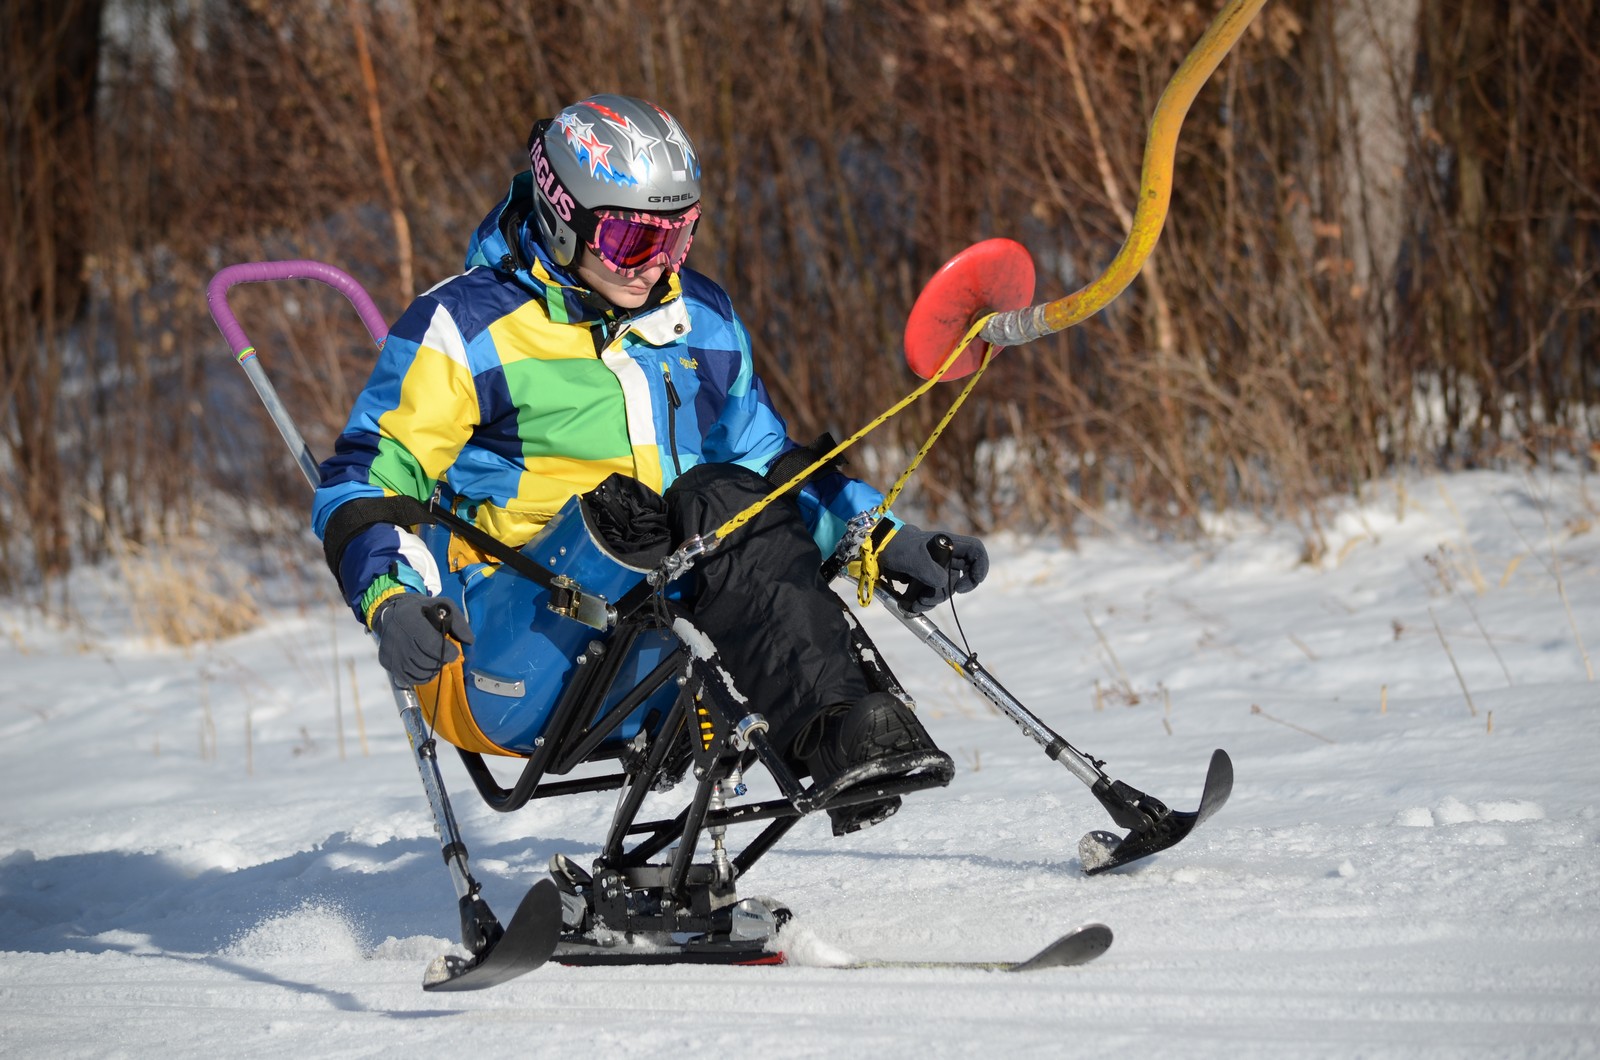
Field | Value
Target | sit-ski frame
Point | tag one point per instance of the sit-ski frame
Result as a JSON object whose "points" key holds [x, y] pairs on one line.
{"points": [[692, 898]]}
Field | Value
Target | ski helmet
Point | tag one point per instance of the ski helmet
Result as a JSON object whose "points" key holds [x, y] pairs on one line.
{"points": [[618, 175]]}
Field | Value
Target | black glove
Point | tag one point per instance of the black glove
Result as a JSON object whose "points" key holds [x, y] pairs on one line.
{"points": [[411, 630], [916, 556]]}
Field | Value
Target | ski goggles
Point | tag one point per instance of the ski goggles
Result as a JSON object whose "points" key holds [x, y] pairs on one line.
{"points": [[629, 241]]}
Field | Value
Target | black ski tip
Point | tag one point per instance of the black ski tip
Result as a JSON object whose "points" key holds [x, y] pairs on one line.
{"points": [[1219, 785], [528, 942], [1102, 851], [1076, 947]]}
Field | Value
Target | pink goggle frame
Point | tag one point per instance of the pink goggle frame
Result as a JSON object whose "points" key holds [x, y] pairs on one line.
{"points": [[629, 241]]}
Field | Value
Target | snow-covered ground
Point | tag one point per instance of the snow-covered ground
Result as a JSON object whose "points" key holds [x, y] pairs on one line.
{"points": [[192, 864]]}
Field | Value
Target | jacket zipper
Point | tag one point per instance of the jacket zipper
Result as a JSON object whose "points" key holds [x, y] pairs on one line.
{"points": [[673, 404]]}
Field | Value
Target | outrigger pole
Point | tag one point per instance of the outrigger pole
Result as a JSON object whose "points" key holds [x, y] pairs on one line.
{"points": [[1152, 826], [480, 928]]}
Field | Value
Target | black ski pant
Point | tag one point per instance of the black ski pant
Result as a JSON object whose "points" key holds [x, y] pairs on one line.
{"points": [[761, 599]]}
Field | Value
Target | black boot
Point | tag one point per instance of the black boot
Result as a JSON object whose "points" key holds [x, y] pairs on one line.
{"points": [[878, 726]]}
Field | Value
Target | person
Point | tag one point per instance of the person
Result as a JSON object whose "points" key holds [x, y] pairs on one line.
{"points": [[576, 349]]}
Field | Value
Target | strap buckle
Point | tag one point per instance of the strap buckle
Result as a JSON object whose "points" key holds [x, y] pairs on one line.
{"points": [[568, 601]]}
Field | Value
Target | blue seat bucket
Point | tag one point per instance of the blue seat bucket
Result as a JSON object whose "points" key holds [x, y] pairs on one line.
{"points": [[522, 655]]}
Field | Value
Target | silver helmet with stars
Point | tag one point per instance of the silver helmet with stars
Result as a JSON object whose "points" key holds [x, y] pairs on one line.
{"points": [[607, 152]]}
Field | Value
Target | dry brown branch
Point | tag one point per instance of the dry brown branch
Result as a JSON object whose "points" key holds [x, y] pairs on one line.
{"points": [[380, 145], [1256, 709], [1460, 680]]}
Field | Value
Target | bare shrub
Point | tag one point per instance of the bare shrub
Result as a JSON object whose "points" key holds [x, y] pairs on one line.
{"points": [[183, 591]]}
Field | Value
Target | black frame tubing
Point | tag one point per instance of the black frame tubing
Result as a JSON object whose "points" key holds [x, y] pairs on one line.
{"points": [[595, 673], [622, 818]]}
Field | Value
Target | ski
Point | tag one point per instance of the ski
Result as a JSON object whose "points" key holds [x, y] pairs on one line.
{"points": [[1078, 946], [528, 942], [579, 952], [1102, 851]]}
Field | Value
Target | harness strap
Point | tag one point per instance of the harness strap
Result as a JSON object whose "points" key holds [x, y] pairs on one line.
{"points": [[352, 517]]}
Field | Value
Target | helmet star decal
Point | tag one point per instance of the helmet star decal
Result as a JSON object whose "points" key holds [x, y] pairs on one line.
{"points": [[677, 138], [572, 125], [590, 149], [639, 143]]}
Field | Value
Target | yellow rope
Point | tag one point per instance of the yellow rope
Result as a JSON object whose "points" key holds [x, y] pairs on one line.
{"points": [[869, 552], [894, 410]]}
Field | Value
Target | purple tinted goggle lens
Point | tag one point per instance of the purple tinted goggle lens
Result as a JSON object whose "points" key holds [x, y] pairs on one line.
{"points": [[630, 242]]}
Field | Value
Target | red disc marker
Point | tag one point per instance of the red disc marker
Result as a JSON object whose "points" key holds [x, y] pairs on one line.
{"points": [[989, 277]]}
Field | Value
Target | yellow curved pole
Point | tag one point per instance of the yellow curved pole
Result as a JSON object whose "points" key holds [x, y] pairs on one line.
{"points": [[1015, 327]]}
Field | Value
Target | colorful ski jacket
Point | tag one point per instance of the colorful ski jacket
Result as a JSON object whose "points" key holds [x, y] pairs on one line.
{"points": [[511, 389]]}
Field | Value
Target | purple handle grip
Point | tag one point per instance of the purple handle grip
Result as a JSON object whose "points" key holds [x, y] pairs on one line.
{"points": [[258, 271]]}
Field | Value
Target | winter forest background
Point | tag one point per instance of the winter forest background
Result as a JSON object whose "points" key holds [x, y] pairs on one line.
{"points": [[1381, 250], [1318, 489]]}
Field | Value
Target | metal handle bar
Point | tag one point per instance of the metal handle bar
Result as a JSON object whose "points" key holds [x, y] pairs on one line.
{"points": [[245, 352]]}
